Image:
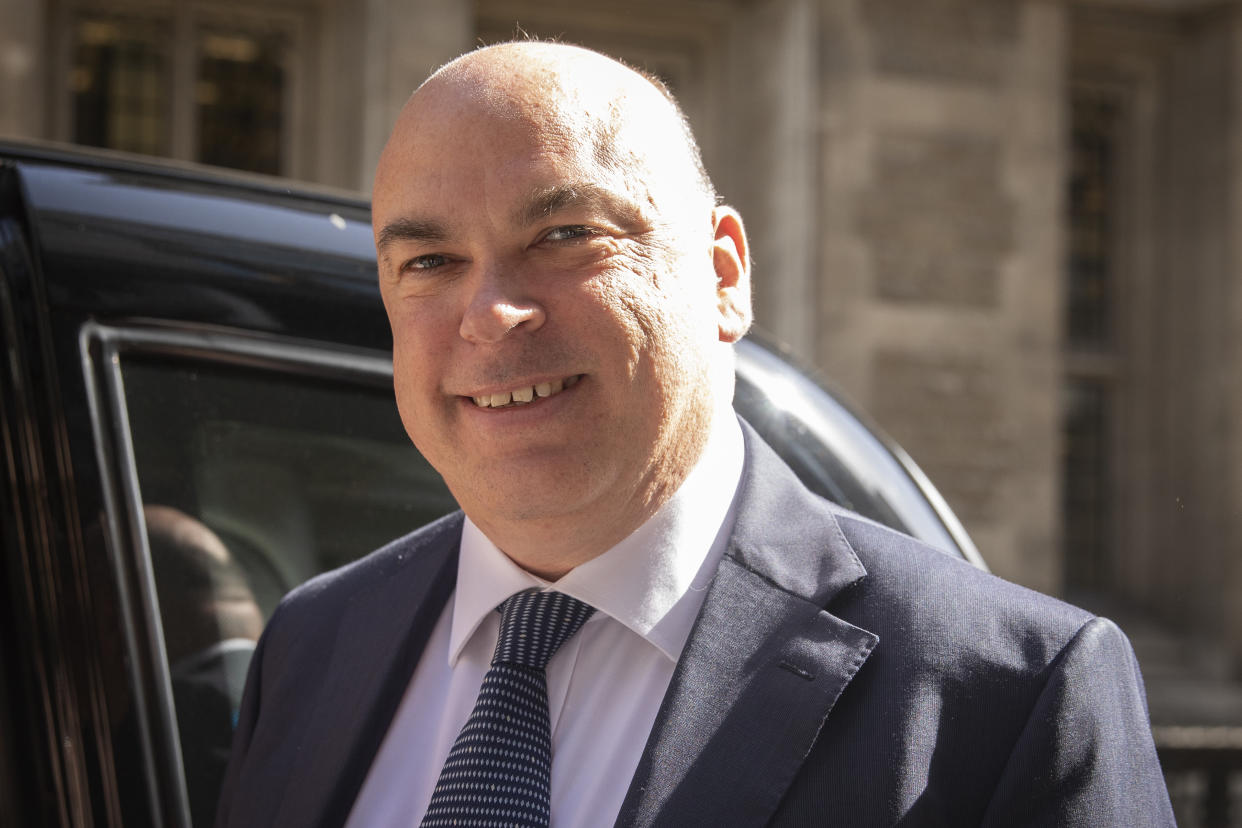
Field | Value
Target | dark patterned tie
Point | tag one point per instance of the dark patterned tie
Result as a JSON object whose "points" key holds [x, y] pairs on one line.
{"points": [[499, 769]]}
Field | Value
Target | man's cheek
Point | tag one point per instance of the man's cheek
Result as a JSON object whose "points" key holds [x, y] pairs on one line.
{"points": [[412, 393]]}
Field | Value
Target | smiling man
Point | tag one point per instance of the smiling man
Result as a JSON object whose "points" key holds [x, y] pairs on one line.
{"points": [[640, 616], [563, 292]]}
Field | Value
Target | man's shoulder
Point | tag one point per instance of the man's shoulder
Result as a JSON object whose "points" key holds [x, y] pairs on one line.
{"points": [[971, 685], [822, 543], [943, 606], [895, 560]]}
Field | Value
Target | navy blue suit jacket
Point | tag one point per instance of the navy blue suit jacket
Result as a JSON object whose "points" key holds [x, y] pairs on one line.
{"points": [[839, 673]]}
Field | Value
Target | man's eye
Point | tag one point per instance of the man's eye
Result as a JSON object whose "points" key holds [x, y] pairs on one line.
{"points": [[428, 262], [570, 232]]}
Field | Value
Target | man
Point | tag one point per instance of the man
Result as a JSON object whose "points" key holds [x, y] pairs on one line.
{"points": [[563, 291]]}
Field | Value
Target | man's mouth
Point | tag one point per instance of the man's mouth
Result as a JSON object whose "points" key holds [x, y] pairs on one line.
{"points": [[526, 393]]}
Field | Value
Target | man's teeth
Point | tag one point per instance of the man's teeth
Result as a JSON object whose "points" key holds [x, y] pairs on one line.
{"points": [[525, 394]]}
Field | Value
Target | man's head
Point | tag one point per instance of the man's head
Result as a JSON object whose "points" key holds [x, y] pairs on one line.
{"points": [[545, 232]]}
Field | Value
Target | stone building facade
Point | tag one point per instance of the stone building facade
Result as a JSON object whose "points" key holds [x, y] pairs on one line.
{"points": [[1007, 228]]}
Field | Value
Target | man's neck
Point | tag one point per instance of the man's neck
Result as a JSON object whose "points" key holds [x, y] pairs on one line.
{"points": [[549, 548]]}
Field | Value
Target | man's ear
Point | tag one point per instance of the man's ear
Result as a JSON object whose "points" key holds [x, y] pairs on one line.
{"points": [[731, 259]]}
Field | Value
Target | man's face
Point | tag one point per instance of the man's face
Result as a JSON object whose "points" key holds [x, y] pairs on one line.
{"points": [[554, 320]]}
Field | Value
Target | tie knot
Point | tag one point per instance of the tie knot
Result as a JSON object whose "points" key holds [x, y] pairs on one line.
{"points": [[534, 624]]}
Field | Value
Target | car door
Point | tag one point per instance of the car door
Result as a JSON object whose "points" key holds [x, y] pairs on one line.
{"points": [[242, 466], [51, 683]]}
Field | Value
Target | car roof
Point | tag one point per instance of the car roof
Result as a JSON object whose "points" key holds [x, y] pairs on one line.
{"points": [[123, 238]]}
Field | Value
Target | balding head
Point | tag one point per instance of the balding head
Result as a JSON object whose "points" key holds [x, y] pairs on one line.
{"points": [[203, 593], [627, 110], [563, 291], [628, 121]]}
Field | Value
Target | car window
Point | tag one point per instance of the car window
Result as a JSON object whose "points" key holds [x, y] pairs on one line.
{"points": [[252, 481]]}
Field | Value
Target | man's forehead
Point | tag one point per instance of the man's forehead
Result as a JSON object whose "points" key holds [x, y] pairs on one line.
{"points": [[463, 128], [455, 162], [523, 104], [460, 149]]}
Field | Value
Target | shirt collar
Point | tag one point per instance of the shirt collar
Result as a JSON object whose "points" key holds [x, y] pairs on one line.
{"points": [[653, 581]]}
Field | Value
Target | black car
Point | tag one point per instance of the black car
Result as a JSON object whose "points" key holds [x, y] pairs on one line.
{"points": [[180, 341]]}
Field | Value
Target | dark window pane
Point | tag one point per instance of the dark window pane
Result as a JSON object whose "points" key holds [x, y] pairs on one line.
{"points": [[1095, 118], [119, 83], [253, 481], [240, 94], [1085, 483]]}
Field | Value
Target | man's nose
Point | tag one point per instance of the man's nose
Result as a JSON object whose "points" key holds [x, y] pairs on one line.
{"points": [[498, 306]]}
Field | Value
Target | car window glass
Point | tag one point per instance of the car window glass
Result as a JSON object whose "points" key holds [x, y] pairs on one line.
{"points": [[253, 481]]}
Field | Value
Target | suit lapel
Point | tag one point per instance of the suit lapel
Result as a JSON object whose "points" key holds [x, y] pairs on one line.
{"points": [[763, 666], [380, 639]]}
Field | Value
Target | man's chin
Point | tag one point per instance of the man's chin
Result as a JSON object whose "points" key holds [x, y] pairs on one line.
{"points": [[528, 510], [524, 493]]}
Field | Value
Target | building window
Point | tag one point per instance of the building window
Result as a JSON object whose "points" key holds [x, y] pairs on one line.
{"points": [[120, 84], [1088, 407], [240, 97], [186, 82], [1093, 156]]}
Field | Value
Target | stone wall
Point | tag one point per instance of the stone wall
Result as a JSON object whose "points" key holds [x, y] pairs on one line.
{"points": [[1228, 373], [22, 47], [1177, 522], [941, 252], [1196, 439], [403, 42]]}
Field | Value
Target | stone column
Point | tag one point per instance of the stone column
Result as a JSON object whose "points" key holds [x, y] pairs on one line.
{"points": [[770, 145], [943, 168], [22, 69], [404, 41], [1231, 364]]}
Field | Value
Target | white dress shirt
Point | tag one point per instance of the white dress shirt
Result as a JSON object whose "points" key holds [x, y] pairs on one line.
{"points": [[605, 684]]}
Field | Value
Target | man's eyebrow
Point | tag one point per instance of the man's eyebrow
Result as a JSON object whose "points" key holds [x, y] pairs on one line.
{"points": [[404, 229], [546, 202]]}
